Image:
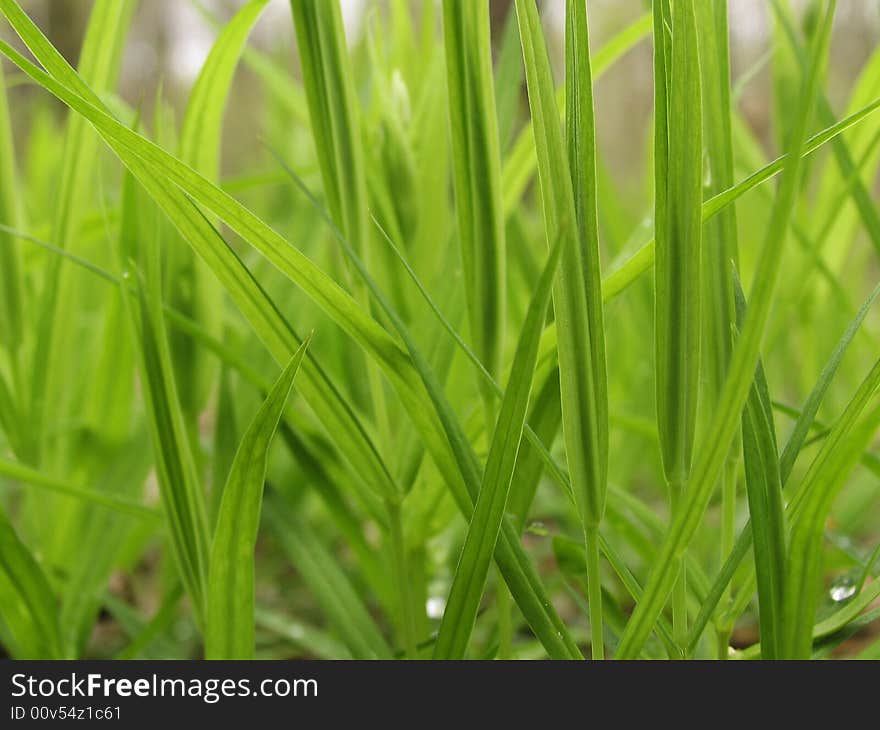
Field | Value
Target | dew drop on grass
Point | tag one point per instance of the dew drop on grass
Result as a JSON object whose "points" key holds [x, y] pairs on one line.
{"points": [[537, 528], [435, 606], [842, 589]]}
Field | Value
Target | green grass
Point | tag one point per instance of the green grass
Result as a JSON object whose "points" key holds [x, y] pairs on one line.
{"points": [[552, 406]]}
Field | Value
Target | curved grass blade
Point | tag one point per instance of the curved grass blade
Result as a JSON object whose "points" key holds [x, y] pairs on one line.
{"points": [[203, 121], [142, 157], [473, 564], [723, 424], [196, 291], [323, 397], [521, 578], [229, 622], [27, 605]]}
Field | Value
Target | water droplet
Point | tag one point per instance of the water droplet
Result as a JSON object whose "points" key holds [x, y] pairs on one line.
{"points": [[537, 528], [842, 589], [435, 606], [707, 171], [126, 274]]}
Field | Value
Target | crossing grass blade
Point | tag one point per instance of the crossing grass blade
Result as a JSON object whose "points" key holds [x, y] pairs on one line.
{"points": [[335, 123], [477, 167], [28, 475], [145, 159], [489, 510], [159, 290], [196, 291], [643, 259], [745, 358], [521, 578], [324, 398], [861, 196], [229, 622]]}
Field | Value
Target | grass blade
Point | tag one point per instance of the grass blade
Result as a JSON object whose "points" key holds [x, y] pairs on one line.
{"points": [[335, 127], [678, 181], [643, 259], [678, 166], [766, 510], [99, 65], [580, 329], [27, 605], [123, 505], [142, 157], [476, 555], [229, 623], [738, 382], [196, 291], [840, 452], [720, 245], [329, 583], [337, 415], [580, 137], [805, 420], [183, 501], [477, 167], [10, 215]]}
